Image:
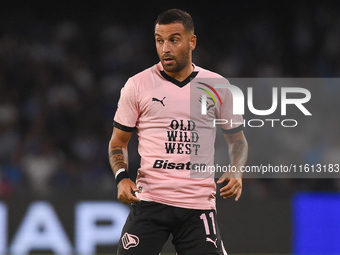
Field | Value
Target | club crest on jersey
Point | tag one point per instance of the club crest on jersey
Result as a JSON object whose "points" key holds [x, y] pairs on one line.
{"points": [[129, 241], [159, 100], [209, 102], [209, 93]]}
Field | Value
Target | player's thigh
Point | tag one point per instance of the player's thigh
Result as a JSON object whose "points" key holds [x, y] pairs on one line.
{"points": [[199, 235], [142, 233]]}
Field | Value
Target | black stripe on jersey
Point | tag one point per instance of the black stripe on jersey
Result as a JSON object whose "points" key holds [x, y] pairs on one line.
{"points": [[122, 127], [232, 131], [179, 83]]}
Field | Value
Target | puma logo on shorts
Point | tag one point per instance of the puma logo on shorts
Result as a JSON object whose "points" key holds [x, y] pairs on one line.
{"points": [[212, 241]]}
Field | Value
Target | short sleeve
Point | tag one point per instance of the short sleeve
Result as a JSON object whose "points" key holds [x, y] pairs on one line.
{"points": [[128, 111], [232, 123]]}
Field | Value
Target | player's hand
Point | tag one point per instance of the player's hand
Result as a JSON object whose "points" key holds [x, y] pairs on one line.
{"points": [[233, 188], [127, 191]]}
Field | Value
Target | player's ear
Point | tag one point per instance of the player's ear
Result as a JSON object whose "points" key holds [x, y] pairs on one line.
{"points": [[192, 42]]}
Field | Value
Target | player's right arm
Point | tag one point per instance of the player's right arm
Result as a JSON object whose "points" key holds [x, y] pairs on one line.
{"points": [[118, 158]]}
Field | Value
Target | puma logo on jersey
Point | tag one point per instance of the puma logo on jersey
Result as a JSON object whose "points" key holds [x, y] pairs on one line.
{"points": [[129, 241], [158, 100], [210, 240]]}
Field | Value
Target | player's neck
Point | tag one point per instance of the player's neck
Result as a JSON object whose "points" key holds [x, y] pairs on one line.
{"points": [[183, 74]]}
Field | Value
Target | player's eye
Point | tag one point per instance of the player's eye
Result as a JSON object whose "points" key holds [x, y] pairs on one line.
{"points": [[159, 41], [174, 40]]}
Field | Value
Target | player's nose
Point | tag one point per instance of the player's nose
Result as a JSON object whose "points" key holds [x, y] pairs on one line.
{"points": [[166, 47]]}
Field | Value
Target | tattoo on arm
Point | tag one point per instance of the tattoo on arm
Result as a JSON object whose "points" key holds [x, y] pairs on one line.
{"points": [[117, 158], [238, 151]]}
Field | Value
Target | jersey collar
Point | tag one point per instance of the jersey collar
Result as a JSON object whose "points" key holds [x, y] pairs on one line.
{"points": [[173, 80]]}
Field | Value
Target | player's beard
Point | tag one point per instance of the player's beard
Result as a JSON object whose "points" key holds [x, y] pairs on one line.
{"points": [[179, 62]]}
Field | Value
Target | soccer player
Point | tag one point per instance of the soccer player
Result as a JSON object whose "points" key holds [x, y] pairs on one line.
{"points": [[159, 103]]}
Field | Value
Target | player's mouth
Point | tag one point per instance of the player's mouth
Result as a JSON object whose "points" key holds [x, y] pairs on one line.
{"points": [[168, 60]]}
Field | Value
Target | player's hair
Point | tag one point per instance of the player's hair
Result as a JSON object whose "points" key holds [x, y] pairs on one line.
{"points": [[176, 16]]}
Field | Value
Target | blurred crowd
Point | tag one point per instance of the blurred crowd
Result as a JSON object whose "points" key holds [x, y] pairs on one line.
{"points": [[60, 80]]}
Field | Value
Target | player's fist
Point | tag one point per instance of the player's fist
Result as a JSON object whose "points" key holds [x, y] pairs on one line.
{"points": [[126, 191]]}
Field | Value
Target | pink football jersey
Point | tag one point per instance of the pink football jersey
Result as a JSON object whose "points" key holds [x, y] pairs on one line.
{"points": [[175, 139]]}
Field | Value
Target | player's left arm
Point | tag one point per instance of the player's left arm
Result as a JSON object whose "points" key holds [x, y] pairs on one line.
{"points": [[238, 154]]}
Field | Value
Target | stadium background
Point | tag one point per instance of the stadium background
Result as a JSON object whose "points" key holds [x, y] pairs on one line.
{"points": [[62, 65]]}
